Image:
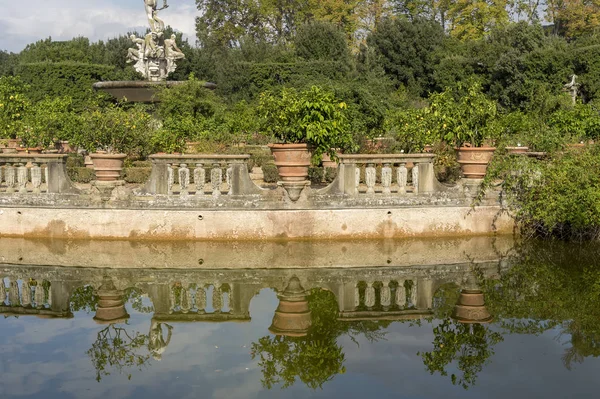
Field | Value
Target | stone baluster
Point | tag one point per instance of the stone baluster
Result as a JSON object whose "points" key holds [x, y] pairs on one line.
{"points": [[39, 295], [36, 177], [1, 173], [228, 177], [170, 179], [370, 178], [402, 177], [13, 293], [217, 298], [2, 292], [201, 299], [184, 179], [185, 299], [10, 177], [415, 178], [216, 178], [413, 293], [172, 299], [357, 178], [49, 296], [356, 296], [22, 178], [46, 178], [386, 177], [25, 293], [370, 295], [385, 294], [199, 178], [401, 294]]}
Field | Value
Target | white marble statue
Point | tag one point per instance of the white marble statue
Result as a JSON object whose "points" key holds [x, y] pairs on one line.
{"points": [[154, 56], [573, 88]]}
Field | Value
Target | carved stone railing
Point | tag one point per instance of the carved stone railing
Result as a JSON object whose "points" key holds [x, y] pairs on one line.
{"points": [[387, 174], [200, 175], [34, 173], [24, 294]]}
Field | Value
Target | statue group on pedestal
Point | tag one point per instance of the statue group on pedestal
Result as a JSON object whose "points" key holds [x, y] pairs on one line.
{"points": [[154, 55]]}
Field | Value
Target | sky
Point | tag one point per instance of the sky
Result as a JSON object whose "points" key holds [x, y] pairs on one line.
{"points": [[27, 21]]}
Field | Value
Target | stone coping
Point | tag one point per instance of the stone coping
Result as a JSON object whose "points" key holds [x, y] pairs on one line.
{"points": [[385, 158], [143, 84], [30, 157], [198, 156]]}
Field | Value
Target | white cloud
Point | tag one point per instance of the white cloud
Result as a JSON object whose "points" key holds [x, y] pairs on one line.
{"points": [[65, 19]]}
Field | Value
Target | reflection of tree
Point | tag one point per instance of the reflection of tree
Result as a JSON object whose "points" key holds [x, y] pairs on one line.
{"points": [[116, 348], [471, 345], [315, 358], [135, 296], [84, 298], [548, 288]]}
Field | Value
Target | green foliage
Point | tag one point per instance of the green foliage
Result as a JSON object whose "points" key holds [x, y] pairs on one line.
{"points": [[314, 117], [316, 174], [411, 129], [13, 106], [463, 121], [557, 197], [406, 50], [137, 175], [84, 299], [321, 41], [50, 120], [470, 345], [67, 79], [581, 122], [115, 129], [80, 174], [270, 173]]}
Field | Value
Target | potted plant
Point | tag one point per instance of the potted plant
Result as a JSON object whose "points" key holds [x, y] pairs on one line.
{"points": [[466, 124], [303, 123], [13, 108], [111, 134]]}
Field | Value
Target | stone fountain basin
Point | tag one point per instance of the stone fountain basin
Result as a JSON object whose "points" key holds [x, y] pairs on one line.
{"points": [[139, 91]]}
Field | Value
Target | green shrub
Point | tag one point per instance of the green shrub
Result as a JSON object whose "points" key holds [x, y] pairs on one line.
{"points": [[138, 175], [75, 161], [81, 174], [271, 175], [330, 174], [315, 174], [141, 164]]}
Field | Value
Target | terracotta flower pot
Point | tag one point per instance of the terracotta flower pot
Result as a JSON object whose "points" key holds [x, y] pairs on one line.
{"points": [[108, 167], [474, 160], [292, 161]]}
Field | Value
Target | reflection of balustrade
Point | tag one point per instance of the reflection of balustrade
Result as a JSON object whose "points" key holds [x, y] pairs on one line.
{"points": [[24, 296], [198, 298], [384, 295], [34, 173], [388, 174], [202, 176]]}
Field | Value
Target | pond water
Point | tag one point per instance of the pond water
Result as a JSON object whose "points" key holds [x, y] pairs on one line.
{"points": [[373, 319]]}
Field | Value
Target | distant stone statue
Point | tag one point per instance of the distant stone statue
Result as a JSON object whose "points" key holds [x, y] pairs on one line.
{"points": [[156, 342], [573, 88], [154, 56], [135, 54]]}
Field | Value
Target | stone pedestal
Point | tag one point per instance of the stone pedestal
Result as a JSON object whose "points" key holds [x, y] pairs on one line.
{"points": [[111, 307], [470, 307], [292, 317]]}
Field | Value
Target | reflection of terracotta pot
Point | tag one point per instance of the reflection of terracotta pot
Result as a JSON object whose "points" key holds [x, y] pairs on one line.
{"points": [[292, 317], [474, 160], [108, 167], [111, 308], [470, 307], [292, 161]]}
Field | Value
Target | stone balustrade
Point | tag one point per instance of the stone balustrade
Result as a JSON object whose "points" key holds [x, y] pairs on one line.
{"points": [[200, 175], [199, 298], [385, 295], [25, 293], [34, 173], [386, 174]]}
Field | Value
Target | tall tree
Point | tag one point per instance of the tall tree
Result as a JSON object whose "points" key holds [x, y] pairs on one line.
{"points": [[574, 18], [472, 19]]}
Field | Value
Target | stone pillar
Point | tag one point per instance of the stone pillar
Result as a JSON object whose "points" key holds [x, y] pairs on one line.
{"points": [[36, 177]]}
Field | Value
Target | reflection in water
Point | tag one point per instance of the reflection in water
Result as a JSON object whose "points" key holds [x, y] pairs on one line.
{"points": [[468, 307]]}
